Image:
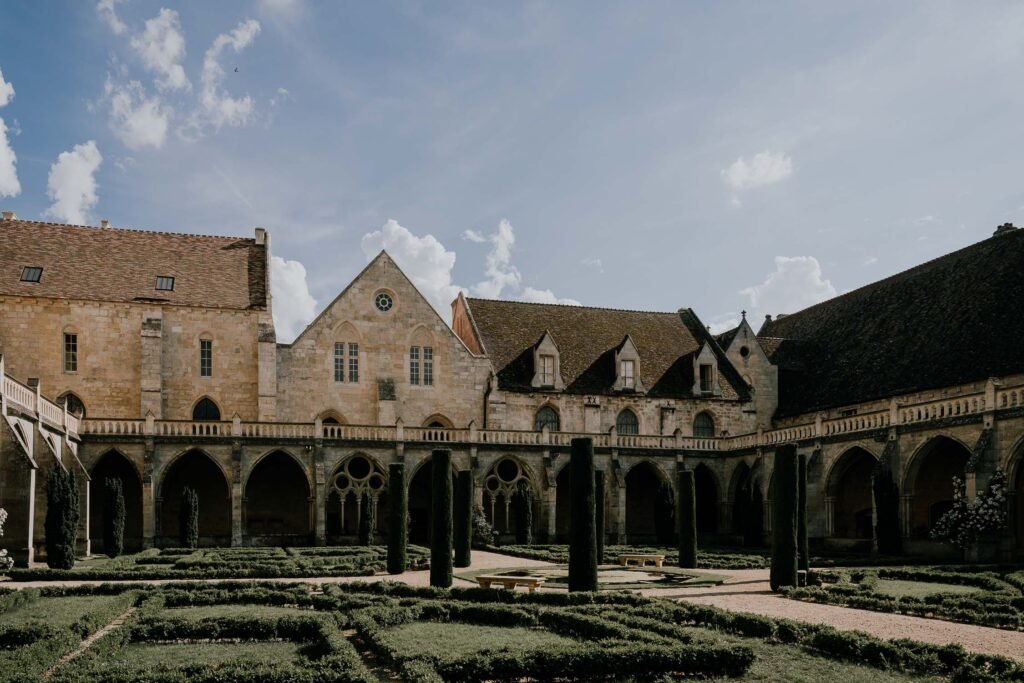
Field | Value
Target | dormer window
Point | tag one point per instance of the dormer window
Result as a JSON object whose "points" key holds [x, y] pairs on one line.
{"points": [[31, 274], [627, 373], [165, 283], [547, 370], [707, 378]]}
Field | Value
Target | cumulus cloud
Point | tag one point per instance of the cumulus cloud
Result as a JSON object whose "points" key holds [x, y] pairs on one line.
{"points": [[294, 307], [9, 185], [424, 259], [138, 121], [216, 107], [6, 91], [498, 267], [545, 296], [108, 11], [72, 183], [161, 46], [764, 169], [796, 284]]}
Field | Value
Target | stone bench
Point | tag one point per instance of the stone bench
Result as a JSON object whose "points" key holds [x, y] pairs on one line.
{"points": [[641, 559], [509, 582]]}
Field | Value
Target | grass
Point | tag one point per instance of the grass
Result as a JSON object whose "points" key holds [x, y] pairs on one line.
{"points": [[453, 640], [59, 612], [898, 588], [153, 656]]}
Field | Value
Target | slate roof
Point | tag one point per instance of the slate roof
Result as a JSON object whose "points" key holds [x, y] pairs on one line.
{"points": [[956, 319], [587, 339], [112, 264]]}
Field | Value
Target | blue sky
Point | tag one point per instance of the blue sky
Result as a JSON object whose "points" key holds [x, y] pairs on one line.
{"points": [[718, 156]]}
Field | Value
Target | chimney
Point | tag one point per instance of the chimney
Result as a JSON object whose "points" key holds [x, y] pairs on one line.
{"points": [[261, 235], [104, 223], [1004, 228], [9, 216]]}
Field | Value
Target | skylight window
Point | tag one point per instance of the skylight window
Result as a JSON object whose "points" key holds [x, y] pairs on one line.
{"points": [[31, 274], [165, 283]]}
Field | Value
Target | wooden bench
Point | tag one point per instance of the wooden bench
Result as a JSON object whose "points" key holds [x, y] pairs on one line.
{"points": [[509, 582], [641, 559]]}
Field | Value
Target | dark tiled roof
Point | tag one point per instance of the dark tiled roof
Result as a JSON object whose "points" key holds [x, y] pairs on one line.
{"points": [[587, 339], [108, 264], [725, 338], [959, 318]]}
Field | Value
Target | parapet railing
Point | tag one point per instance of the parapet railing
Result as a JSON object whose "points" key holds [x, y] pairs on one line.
{"points": [[29, 400]]}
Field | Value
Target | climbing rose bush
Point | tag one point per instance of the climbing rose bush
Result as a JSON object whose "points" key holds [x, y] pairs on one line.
{"points": [[5, 561], [966, 522]]}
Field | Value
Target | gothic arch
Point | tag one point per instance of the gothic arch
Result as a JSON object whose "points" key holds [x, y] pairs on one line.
{"points": [[500, 484], [114, 464], [355, 475], [931, 487], [697, 424], [277, 496], [330, 414], [649, 518], [708, 493], [438, 421], [849, 497], [627, 422], [918, 456], [196, 469], [76, 406], [547, 413], [747, 503], [1015, 490], [420, 490], [204, 408]]}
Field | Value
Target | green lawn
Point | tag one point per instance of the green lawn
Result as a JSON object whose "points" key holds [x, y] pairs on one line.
{"points": [[252, 611], [453, 640], [56, 611], [163, 656], [897, 588]]}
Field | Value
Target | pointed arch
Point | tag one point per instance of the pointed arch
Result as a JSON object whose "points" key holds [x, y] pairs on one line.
{"points": [[355, 475], [420, 485], [848, 489], [929, 480], [500, 487], [1015, 488], [76, 406], [627, 422], [277, 499], [747, 503], [650, 504], [116, 465], [331, 417], [704, 425], [196, 469], [547, 416], [438, 421], [206, 409], [707, 489]]}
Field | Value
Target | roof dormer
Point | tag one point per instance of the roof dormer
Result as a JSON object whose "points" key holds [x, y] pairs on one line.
{"points": [[705, 373], [627, 367], [547, 368]]}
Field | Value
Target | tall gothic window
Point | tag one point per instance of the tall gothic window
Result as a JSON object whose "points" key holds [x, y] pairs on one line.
{"points": [[70, 352], [428, 366], [546, 417], [205, 358], [353, 363], [626, 422], [339, 361], [421, 373], [704, 426]]}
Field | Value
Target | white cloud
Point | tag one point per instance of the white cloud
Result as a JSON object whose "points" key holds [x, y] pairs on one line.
{"points": [[473, 236], [72, 183], [424, 259], [285, 9], [764, 169], [594, 263], [137, 120], [924, 220], [871, 260], [545, 296], [9, 185], [723, 323], [6, 91], [796, 284], [294, 307], [161, 45], [216, 107], [108, 11], [499, 269]]}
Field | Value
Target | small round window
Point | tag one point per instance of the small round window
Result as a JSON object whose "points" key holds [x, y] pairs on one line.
{"points": [[744, 351], [383, 302]]}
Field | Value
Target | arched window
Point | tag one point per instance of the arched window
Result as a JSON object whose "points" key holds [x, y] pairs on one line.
{"points": [[75, 405], [330, 420], [626, 422], [206, 410], [704, 426], [546, 417]]}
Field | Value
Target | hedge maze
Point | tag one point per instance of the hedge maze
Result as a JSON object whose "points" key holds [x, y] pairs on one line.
{"points": [[249, 632]]}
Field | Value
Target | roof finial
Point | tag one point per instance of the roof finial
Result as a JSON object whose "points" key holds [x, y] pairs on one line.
{"points": [[744, 314]]}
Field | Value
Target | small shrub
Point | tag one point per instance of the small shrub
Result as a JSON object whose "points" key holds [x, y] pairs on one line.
{"points": [[62, 517], [189, 522]]}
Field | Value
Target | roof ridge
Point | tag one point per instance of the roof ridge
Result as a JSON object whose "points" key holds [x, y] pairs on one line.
{"points": [[921, 267], [575, 306], [141, 231]]}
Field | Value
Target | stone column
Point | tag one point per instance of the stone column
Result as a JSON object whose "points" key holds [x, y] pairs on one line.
{"points": [[236, 494], [830, 516], [621, 538], [552, 507], [906, 506], [319, 496], [150, 506]]}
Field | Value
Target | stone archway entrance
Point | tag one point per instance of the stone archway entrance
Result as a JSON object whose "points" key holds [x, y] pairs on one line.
{"points": [[198, 471], [707, 500], [113, 465], [931, 475], [649, 512], [277, 502], [849, 495], [747, 506], [420, 503]]}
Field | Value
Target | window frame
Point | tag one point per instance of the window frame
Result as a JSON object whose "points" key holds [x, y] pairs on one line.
{"points": [[164, 280], [702, 432], [353, 363], [339, 362], [554, 425], [627, 379], [428, 366], [27, 271], [414, 365], [70, 353], [206, 358], [709, 387], [547, 370], [634, 426]]}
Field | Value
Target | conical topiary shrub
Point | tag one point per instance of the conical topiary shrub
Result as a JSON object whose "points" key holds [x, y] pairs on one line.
{"points": [[398, 529], [784, 518], [189, 518], [113, 517], [463, 519], [441, 520], [582, 536], [687, 519], [367, 519]]}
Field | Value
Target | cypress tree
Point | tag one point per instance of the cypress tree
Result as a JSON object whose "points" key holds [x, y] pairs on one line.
{"points": [[803, 552], [189, 518], [113, 517], [582, 532], [398, 529], [441, 520], [599, 505], [664, 514], [523, 504], [61, 524], [784, 514], [687, 520], [887, 509], [367, 519], [463, 520]]}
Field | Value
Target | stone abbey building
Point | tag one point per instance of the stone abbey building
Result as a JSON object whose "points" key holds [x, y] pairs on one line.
{"points": [[152, 357]]}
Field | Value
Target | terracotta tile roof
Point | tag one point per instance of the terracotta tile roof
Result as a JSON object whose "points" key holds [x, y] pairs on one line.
{"points": [[587, 338], [956, 319], [108, 264]]}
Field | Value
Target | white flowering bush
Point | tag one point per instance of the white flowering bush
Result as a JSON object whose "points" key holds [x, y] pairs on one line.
{"points": [[967, 522], [5, 561]]}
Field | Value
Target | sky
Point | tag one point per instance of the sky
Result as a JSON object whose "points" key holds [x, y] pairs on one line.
{"points": [[723, 157]]}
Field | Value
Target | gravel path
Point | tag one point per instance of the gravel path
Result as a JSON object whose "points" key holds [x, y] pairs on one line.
{"points": [[745, 590]]}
